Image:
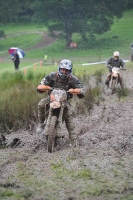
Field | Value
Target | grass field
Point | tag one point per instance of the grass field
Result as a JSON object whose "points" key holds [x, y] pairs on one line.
{"points": [[118, 38]]}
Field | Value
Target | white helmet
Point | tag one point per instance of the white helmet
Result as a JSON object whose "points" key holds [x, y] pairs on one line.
{"points": [[116, 54]]}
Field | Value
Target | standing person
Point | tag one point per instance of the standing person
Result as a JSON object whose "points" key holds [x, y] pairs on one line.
{"points": [[114, 62], [65, 80], [45, 57], [16, 60]]}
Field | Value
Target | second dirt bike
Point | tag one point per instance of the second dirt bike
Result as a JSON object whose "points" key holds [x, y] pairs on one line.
{"points": [[114, 79]]}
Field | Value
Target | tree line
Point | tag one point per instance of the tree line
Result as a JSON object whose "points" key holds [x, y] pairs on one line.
{"points": [[86, 17]]}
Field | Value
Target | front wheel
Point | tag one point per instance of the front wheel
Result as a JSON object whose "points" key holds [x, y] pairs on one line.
{"points": [[51, 134], [113, 86]]}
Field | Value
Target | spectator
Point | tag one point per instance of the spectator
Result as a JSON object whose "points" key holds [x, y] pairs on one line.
{"points": [[73, 45], [16, 60]]}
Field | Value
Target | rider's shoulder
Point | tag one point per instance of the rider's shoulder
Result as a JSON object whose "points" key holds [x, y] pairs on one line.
{"points": [[72, 77], [52, 74], [109, 59]]}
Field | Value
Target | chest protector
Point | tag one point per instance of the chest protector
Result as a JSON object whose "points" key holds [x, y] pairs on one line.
{"points": [[115, 63], [62, 83]]}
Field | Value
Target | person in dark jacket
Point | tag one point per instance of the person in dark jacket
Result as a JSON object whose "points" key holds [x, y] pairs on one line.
{"points": [[65, 80], [114, 62], [16, 60]]}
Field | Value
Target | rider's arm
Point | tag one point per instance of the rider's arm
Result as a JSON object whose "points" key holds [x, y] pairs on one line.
{"points": [[46, 81], [75, 83], [108, 63], [122, 64]]}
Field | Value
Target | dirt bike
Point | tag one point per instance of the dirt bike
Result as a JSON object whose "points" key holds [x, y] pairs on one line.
{"points": [[54, 120], [115, 76]]}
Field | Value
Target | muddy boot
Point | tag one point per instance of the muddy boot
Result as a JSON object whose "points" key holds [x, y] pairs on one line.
{"points": [[73, 137], [59, 134], [41, 117], [40, 128], [107, 83], [74, 143]]}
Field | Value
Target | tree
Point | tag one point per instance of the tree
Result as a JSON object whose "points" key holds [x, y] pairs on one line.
{"points": [[76, 16], [86, 17], [9, 10], [15, 11]]}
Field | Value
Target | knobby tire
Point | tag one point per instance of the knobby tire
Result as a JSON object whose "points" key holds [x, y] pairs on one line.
{"points": [[51, 134], [113, 85]]}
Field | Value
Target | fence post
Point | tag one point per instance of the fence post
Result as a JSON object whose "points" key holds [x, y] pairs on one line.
{"points": [[24, 70], [34, 66], [40, 63]]}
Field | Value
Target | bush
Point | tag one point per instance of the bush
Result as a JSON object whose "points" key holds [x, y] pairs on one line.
{"points": [[92, 96], [2, 34], [18, 103]]}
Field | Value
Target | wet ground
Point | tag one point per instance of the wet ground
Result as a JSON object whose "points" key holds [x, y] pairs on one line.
{"points": [[101, 168]]}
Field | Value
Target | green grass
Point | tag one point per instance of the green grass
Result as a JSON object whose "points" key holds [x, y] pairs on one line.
{"points": [[78, 69], [18, 27], [118, 38], [22, 41]]}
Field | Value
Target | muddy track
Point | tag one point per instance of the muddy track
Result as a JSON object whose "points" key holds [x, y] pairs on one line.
{"points": [[99, 169]]}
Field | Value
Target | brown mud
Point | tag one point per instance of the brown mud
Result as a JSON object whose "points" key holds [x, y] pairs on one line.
{"points": [[100, 168]]}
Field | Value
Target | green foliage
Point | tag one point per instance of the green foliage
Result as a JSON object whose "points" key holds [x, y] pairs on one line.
{"points": [[103, 47], [18, 103], [92, 96], [127, 197], [74, 16], [10, 194], [121, 93], [21, 40], [98, 74], [82, 173], [2, 34], [9, 10]]}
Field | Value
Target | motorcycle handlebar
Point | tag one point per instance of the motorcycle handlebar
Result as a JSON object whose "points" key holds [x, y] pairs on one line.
{"points": [[122, 68], [46, 88], [110, 68]]}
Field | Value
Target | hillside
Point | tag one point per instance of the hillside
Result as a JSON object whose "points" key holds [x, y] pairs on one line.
{"points": [[118, 38]]}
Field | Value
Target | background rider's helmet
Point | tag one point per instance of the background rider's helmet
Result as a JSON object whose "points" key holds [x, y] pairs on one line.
{"points": [[65, 64], [116, 54]]}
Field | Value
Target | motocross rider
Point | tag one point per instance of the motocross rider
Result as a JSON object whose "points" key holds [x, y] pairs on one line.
{"points": [[65, 80], [114, 62]]}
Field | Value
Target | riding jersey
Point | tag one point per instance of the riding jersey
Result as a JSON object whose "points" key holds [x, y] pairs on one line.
{"points": [[53, 80], [115, 63]]}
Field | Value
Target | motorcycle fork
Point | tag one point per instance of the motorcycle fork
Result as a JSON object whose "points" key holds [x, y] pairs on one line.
{"points": [[60, 120], [47, 120]]}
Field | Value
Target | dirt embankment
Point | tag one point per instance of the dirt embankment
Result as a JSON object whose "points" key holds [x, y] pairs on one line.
{"points": [[101, 168]]}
